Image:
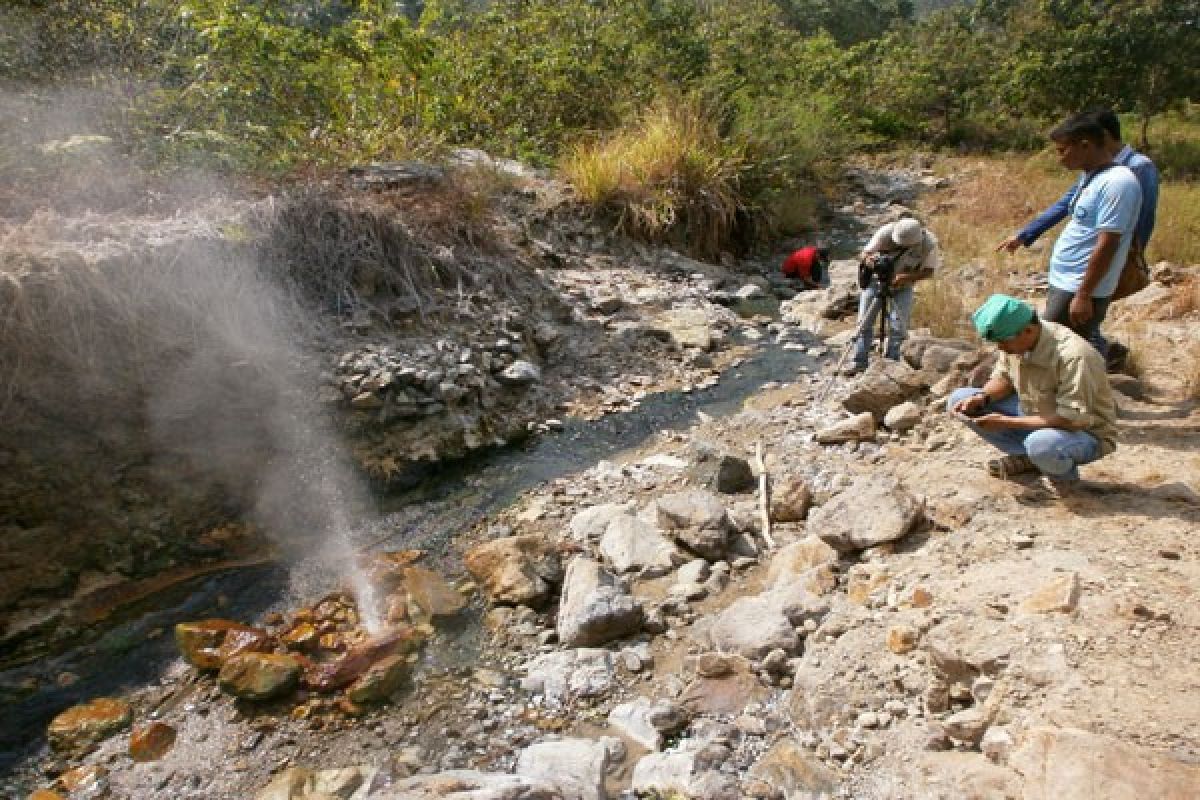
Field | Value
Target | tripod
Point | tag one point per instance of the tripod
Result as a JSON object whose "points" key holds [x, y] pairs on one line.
{"points": [[878, 305]]}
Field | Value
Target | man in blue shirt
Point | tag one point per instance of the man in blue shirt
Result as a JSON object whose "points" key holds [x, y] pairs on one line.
{"points": [[1122, 154], [1147, 177]]}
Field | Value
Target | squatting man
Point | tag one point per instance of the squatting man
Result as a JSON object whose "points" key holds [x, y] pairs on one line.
{"points": [[1047, 405]]}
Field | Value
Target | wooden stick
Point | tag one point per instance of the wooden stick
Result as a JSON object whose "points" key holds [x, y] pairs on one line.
{"points": [[764, 495]]}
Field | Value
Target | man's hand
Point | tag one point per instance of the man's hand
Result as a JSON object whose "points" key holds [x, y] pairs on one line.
{"points": [[1010, 245], [1081, 309], [994, 421], [903, 279], [972, 405]]}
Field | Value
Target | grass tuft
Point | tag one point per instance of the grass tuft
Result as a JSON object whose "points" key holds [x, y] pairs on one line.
{"points": [[1191, 373], [668, 177]]}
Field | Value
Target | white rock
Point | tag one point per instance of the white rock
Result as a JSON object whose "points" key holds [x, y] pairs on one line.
{"points": [[575, 767]]}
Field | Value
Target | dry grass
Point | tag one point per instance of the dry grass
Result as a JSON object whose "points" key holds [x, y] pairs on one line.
{"points": [[992, 198], [988, 200], [1185, 298], [668, 176], [940, 307], [1191, 373], [97, 307], [1177, 230]]}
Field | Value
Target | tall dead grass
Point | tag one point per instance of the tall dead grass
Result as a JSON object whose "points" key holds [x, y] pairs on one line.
{"points": [[667, 176], [1191, 373], [1177, 229]]}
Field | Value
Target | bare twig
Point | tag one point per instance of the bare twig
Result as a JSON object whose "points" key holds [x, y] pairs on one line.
{"points": [[764, 495]]}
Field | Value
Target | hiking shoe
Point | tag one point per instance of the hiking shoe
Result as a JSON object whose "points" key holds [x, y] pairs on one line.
{"points": [[1114, 360], [850, 370], [1004, 468]]}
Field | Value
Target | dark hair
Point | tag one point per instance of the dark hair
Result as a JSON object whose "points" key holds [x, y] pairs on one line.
{"points": [[1109, 121], [1078, 127]]}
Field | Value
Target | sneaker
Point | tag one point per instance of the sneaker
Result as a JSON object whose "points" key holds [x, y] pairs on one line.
{"points": [[1071, 489], [1008, 466]]}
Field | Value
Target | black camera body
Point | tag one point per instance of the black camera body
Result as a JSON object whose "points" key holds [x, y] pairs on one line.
{"points": [[882, 266]]}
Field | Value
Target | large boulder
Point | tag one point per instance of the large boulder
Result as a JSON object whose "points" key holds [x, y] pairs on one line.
{"points": [[590, 524], [754, 626], [576, 767], [719, 471], [698, 520], [208, 643], [260, 676], [884, 384], [595, 609], [565, 675], [852, 429], [873, 510], [516, 570], [933, 354], [300, 783], [463, 784], [431, 593], [793, 561], [790, 499], [647, 721], [687, 327], [631, 544], [693, 771], [795, 772], [1069, 764]]}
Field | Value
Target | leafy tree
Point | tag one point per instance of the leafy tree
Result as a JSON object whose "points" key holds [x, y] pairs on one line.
{"points": [[275, 82], [48, 41], [847, 21], [1137, 55]]}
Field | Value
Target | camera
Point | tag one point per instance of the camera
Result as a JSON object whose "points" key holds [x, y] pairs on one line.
{"points": [[882, 266]]}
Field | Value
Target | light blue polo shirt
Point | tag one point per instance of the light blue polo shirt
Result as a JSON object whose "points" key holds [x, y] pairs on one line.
{"points": [[1110, 202]]}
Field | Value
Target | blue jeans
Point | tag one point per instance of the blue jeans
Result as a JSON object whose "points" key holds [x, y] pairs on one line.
{"points": [[1056, 452], [900, 306]]}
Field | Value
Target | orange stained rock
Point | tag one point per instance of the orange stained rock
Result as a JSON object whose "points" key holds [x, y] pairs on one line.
{"points": [[921, 597], [301, 636], [151, 742], [208, 643], [89, 723], [81, 778]]}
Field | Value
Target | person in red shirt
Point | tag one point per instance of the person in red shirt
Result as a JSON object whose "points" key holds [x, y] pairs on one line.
{"points": [[807, 265]]}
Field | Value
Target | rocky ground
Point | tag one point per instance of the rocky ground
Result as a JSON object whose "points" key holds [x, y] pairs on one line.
{"points": [[897, 625]]}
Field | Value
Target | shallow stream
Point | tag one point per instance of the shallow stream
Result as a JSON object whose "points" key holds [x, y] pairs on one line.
{"points": [[135, 652]]}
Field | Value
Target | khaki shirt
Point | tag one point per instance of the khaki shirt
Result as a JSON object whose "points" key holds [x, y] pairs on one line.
{"points": [[923, 255], [1064, 375]]}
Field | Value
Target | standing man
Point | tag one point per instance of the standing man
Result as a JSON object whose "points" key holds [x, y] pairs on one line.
{"points": [[809, 265], [1122, 154], [1147, 177], [1047, 404], [915, 255]]}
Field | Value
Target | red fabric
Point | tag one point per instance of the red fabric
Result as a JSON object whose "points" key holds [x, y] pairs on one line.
{"points": [[800, 263]]}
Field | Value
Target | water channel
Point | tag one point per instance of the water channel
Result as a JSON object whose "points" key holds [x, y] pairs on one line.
{"points": [[134, 651]]}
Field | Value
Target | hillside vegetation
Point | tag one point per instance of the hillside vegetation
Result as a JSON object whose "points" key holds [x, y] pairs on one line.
{"points": [[782, 89]]}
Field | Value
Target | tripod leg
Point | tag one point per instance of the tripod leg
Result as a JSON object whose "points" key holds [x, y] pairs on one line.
{"points": [[865, 322], [883, 324]]}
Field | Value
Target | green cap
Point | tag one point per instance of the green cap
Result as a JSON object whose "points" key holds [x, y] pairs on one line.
{"points": [[1002, 317]]}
